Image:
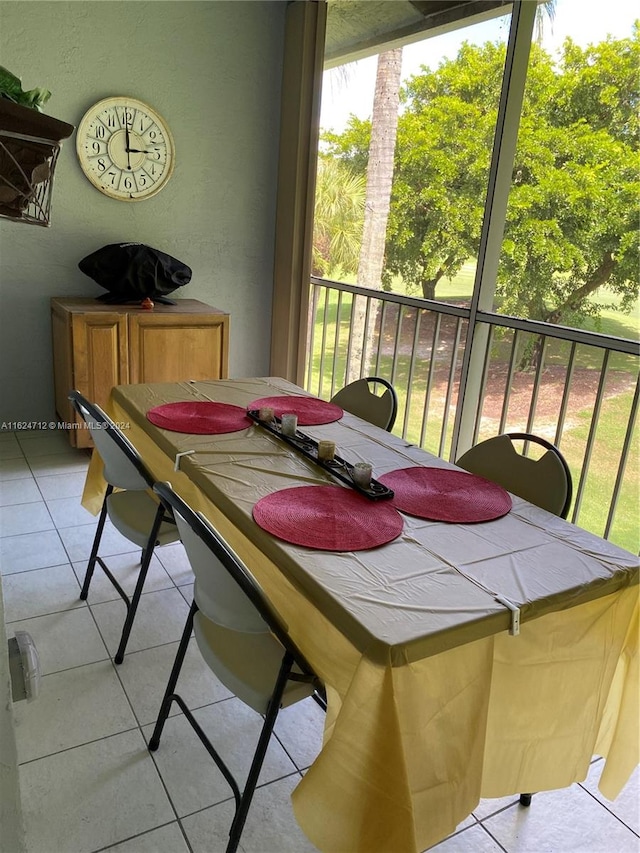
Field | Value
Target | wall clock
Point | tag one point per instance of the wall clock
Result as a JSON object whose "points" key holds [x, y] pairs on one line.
{"points": [[125, 148]]}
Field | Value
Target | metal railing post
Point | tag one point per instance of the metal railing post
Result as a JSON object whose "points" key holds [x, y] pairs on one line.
{"points": [[502, 158]]}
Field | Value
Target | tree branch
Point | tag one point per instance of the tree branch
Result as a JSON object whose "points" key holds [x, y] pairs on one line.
{"points": [[600, 276]]}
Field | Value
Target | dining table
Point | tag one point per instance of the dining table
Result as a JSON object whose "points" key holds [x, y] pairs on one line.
{"points": [[462, 658]]}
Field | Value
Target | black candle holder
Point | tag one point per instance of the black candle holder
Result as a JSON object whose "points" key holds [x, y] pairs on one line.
{"points": [[337, 467]]}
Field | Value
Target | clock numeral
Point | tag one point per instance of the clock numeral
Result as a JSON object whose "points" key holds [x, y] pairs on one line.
{"points": [[146, 177], [128, 183], [100, 131], [101, 164], [113, 177], [95, 146], [111, 120]]}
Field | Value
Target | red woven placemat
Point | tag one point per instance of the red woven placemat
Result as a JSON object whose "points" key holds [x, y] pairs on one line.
{"points": [[310, 410], [328, 518], [442, 494], [201, 418]]}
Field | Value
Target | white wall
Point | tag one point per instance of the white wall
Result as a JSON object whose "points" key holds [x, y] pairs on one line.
{"points": [[213, 71]]}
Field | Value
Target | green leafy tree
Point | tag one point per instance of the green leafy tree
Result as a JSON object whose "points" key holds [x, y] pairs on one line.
{"points": [[444, 151], [574, 207], [573, 210]]}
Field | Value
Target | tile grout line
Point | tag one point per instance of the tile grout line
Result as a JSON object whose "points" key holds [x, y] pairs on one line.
{"points": [[78, 745], [491, 835], [139, 835], [604, 806]]}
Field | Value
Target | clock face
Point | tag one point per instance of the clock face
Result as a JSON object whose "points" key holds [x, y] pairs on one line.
{"points": [[125, 149]]}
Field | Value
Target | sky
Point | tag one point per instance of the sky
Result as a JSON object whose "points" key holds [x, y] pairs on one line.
{"points": [[583, 20]]}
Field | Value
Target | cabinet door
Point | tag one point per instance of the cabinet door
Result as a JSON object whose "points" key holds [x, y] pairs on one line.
{"points": [[100, 359], [176, 347]]}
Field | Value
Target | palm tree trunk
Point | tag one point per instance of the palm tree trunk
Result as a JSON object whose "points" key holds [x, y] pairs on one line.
{"points": [[384, 125]]}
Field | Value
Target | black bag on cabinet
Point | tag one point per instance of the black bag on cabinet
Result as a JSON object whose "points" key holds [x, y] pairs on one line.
{"points": [[132, 272]]}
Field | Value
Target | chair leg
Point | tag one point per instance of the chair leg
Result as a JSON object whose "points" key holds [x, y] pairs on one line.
{"points": [[525, 799], [256, 765], [154, 743], [135, 598], [320, 698], [84, 592]]}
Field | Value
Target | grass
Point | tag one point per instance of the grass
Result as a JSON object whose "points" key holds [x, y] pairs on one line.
{"points": [[603, 469], [611, 322], [612, 422]]}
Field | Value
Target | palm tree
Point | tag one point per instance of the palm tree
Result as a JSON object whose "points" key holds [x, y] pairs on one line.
{"points": [[339, 212], [384, 124], [548, 9]]}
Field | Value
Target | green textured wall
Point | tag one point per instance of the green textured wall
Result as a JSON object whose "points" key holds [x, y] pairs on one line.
{"points": [[213, 71]]}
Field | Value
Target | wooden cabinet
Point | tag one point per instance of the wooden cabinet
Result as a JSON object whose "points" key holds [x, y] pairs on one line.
{"points": [[97, 346]]}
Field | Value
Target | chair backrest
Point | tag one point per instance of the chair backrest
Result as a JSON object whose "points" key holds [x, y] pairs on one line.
{"points": [[360, 398], [545, 482], [123, 467], [225, 590]]}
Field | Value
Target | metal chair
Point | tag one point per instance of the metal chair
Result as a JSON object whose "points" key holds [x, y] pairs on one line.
{"points": [[359, 398], [132, 510], [545, 482], [241, 638]]}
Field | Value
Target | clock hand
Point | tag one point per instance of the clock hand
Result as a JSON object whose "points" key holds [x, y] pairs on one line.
{"points": [[126, 135], [138, 151]]}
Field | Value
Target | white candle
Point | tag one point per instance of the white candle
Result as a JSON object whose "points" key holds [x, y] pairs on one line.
{"points": [[266, 414], [326, 450], [361, 474], [288, 424]]}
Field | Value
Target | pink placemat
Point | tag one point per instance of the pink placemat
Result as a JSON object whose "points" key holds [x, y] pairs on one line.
{"points": [[328, 518], [442, 494], [310, 410], [201, 418]]}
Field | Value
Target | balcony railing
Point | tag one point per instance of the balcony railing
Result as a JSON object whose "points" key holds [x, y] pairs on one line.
{"points": [[578, 389]]}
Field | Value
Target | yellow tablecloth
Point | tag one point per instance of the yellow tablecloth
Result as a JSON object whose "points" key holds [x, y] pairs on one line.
{"points": [[432, 704]]}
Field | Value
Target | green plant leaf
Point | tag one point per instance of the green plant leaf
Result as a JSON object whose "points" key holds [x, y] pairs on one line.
{"points": [[11, 88]]}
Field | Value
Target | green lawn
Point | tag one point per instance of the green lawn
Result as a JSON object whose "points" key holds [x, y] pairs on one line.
{"points": [[611, 322], [611, 426], [603, 469]]}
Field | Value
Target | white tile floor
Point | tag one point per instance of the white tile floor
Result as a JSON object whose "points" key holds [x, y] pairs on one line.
{"points": [[89, 783]]}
